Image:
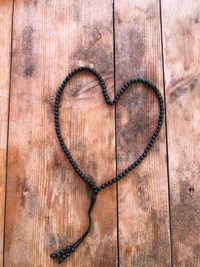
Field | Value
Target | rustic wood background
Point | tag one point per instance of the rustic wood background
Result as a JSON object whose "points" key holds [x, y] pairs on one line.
{"points": [[152, 217]]}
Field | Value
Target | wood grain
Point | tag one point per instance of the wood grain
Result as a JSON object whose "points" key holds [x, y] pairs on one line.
{"points": [[46, 202], [181, 38], [5, 48], [143, 195]]}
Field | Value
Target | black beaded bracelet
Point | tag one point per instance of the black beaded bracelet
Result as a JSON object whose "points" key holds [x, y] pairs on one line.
{"points": [[94, 189]]}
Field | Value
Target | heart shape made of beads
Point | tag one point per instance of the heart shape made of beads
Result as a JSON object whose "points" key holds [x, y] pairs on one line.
{"points": [[107, 99]]}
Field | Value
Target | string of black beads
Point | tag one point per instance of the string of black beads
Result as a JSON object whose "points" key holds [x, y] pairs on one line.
{"points": [[62, 254], [107, 99]]}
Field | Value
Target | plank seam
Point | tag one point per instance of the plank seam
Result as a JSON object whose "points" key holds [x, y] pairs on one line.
{"points": [[8, 124], [115, 91], [166, 135]]}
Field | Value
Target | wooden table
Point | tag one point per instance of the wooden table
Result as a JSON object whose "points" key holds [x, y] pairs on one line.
{"points": [[151, 217]]}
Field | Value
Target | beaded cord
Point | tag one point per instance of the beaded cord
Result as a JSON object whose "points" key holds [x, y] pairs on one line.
{"points": [[94, 188]]}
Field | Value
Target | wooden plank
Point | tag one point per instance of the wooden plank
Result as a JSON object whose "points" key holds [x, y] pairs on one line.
{"points": [[5, 48], [181, 38], [143, 195], [46, 202]]}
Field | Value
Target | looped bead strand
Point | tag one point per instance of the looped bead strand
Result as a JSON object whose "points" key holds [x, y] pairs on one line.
{"points": [[62, 254]]}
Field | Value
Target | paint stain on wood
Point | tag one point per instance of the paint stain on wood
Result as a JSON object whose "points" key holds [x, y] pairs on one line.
{"points": [[20, 185], [135, 49], [182, 88], [196, 19], [134, 122], [27, 49], [49, 103], [185, 225], [94, 51]]}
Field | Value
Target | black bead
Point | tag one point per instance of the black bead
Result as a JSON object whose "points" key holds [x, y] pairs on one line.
{"points": [[149, 147], [161, 105], [144, 154], [158, 129], [58, 133], [56, 119], [130, 168], [117, 98], [53, 255], [133, 165], [161, 116], [90, 182], [76, 169], [141, 157], [56, 108], [109, 102], [59, 92], [61, 142], [72, 249], [56, 105], [119, 93], [150, 143], [78, 69]]}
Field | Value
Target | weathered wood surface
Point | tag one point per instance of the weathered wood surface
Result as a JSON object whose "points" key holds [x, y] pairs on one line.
{"points": [[5, 49], [46, 202], [143, 197], [181, 39]]}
